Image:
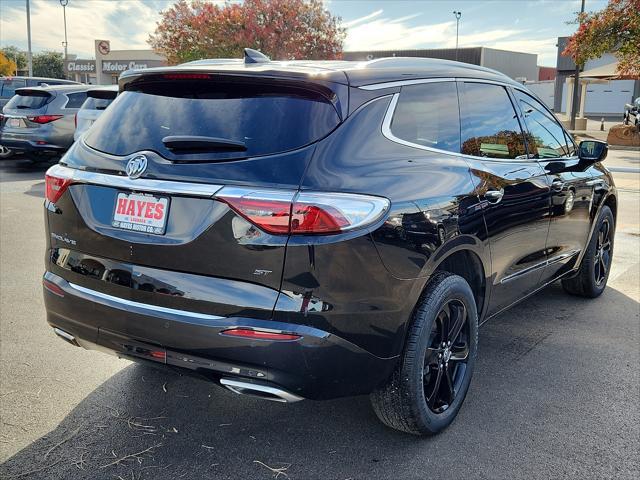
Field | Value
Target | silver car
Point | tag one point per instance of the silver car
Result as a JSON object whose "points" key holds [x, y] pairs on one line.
{"points": [[8, 86], [40, 120], [98, 99]]}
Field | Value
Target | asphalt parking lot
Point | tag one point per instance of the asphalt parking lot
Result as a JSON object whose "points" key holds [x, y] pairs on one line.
{"points": [[556, 390]]}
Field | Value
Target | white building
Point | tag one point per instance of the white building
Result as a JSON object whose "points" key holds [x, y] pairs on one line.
{"points": [[599, 94]]}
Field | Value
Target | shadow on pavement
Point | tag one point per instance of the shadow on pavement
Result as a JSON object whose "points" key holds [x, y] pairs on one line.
{"points": [[539, 406], [20, 168]]}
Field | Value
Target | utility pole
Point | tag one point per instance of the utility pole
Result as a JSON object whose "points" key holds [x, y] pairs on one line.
{"points": [[29, 56], [576, 86], [457, 15]]}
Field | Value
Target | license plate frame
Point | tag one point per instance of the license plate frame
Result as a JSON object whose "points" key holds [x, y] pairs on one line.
{"points": [[145, 212]]}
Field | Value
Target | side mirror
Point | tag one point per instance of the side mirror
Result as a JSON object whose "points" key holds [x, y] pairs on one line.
{"points": [[593, 151]]}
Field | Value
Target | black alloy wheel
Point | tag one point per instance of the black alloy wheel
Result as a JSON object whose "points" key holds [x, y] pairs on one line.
{"points": [[426, 391], [602, 260], [446, 357]]}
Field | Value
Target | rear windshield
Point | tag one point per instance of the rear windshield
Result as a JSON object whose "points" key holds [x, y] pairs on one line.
{"points": [[31, 100], [267, 118], [92, 103], [8, 87]]}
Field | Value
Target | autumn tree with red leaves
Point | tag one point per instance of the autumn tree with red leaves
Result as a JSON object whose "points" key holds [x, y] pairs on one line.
{"points": [[281, 29], [615, 28]]}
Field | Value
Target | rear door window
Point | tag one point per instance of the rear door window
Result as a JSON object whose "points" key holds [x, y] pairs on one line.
{"points": [[428, 115], [266, 117], [29, 100], [75, 99], [490, 127], [92, 103], [8, 87]]}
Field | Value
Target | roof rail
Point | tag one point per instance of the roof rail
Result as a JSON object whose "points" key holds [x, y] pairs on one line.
{"points": [[254, 56]]}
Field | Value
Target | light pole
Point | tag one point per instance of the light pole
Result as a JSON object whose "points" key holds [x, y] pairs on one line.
{"points": [[64, 4], [576, 85], [29, 56], [457, 15]]}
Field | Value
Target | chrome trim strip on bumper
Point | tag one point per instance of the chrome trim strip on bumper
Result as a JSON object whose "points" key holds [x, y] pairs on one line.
{"points": [[139, 184], [122, 303], [245, 388]]}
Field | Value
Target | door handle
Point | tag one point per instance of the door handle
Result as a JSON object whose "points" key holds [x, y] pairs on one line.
{"points": [[494, 196], [557, 185]]}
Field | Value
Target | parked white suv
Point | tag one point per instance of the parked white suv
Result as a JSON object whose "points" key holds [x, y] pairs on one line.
{"points": [[98, 99]]}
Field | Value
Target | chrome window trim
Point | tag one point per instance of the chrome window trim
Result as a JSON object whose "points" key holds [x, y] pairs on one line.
{"points": [[386, 131], [386, 123], [402, 83], [123, 303], [139, 184]]}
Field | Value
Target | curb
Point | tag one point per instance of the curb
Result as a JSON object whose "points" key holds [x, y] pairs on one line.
{"points": [[624, 147]]}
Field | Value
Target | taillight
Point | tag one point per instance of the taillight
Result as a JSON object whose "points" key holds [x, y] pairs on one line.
{"points": [[260, 334], [55, 187], [75, 120], [269, 210], [44, 118], [272, 216], [52, 287], [305, 213]]}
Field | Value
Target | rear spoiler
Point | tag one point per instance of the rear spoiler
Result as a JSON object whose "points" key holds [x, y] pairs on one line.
{"points": [[336, 93], [33, 92], [103, 94]]}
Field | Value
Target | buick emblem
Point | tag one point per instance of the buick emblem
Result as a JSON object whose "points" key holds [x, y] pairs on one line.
{"points": [[136, 166]]}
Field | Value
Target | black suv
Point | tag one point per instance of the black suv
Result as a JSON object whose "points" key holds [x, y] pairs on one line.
{"points": [[320, 229]]}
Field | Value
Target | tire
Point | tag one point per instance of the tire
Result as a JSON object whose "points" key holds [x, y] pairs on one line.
{"points": [[403, 402], [5, 152], [591, 280]]}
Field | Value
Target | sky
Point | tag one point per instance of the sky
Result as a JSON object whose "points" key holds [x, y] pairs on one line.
{"points": [[530, 26]]}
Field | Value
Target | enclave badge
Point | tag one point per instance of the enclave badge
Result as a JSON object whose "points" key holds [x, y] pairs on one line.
{"points": [[136, 166]]}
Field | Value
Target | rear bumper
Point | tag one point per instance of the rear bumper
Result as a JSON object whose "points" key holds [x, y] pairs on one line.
{"points": [[30, 142], [30, 146], [319, 365]]}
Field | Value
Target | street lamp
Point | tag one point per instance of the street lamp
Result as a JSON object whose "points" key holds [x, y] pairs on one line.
{"points": [[64, 4], [30, 56], [576, 86], [457, 15]]}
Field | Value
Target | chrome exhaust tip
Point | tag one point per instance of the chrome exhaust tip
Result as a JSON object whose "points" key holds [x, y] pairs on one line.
{"points": [[67, 337], [260, 391]]}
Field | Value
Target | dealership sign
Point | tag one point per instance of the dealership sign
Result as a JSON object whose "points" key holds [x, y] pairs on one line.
{"points": [[116, 66], [80, 66]]}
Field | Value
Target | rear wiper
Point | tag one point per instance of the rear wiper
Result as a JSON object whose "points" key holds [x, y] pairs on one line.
{"points": [[22, 106], [195, 142]]}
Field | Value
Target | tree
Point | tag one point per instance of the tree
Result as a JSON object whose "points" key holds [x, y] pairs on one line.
{"points": [[615, 28], [7, 66], [48, 64], [15, 54], [281, 29]]}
